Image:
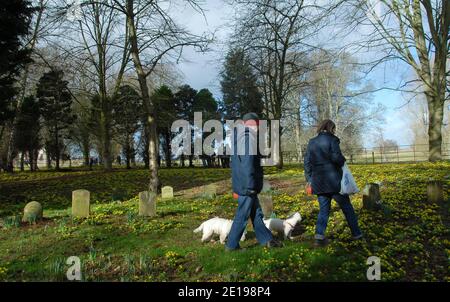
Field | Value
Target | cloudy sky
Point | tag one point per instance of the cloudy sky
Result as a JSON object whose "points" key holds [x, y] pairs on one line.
{"points": [[202, 70]]}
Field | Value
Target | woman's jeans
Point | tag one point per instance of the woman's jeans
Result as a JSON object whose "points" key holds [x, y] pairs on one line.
{"points": [[324, 213], [248, 206]]}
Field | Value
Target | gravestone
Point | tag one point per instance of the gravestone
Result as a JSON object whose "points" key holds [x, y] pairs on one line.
{"points": [[266, 202], [209, 191], [371, 196], [266, 186], [167, 192], [81, 203], [435, 192], [147, 204], [32, 212]]}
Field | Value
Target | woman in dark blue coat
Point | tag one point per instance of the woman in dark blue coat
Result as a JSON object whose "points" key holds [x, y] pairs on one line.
{"points": [[323, 170]]}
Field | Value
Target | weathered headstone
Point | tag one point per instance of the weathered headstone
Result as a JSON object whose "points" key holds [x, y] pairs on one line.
{"points": [[266, 186], [147, 204], [209, 191], [266, 202], [371, 196], [167, 192], [435, 192], [81, 203], [32, 212]]}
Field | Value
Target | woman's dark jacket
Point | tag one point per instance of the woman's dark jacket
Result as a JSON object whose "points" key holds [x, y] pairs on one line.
{"points": [[323, 163]]}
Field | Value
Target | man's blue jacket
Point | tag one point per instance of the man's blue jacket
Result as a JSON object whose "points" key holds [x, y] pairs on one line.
{"points": [[246, 170]]}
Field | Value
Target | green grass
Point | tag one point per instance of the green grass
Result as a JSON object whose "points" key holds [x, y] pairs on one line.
{"points": [[413, 241]]}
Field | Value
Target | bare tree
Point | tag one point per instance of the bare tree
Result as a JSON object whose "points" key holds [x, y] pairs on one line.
{"points": [[417, 33], [40, 28], [98, 41], [276, 36], [153, 35]]}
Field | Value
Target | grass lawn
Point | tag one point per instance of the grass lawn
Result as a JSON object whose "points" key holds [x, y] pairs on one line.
{"points": [[411, 236]]}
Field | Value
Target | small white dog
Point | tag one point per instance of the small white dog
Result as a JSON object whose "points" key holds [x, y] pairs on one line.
{"points": [[284, 227], [217, 226]]}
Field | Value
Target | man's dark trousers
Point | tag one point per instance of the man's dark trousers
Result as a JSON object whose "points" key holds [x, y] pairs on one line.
{"points": [[248, 207]]}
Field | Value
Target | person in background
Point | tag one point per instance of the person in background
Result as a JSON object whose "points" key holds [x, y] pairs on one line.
{"points": [[247, 179], [323, 171]]}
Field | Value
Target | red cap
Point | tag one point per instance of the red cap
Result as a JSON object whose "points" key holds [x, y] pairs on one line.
{"points": [[251, 123]]}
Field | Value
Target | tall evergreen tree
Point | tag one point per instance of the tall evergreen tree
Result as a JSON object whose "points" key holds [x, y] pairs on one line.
{"points": [[239, 86], [205, 102], [28, 127], [80, 130], [126, 108], [55, 102], [165, 107], [184, 104], [15, 17]]}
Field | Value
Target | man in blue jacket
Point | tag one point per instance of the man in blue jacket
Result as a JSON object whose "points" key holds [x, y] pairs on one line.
{"points": [[247, 178]]}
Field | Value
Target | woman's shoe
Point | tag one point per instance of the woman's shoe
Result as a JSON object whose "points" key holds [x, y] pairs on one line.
{"points": [[321, 242], [274, 243], [359, 237], [239, 249]]}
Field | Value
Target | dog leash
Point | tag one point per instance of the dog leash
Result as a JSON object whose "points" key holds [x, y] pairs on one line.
{"points": [[293, 226]]}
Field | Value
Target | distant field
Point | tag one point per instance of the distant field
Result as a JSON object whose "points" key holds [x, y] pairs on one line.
{"points": [[412, 237]]}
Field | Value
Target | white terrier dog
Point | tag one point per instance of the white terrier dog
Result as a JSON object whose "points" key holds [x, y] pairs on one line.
{"points": [[284, 227], [217, 226]]}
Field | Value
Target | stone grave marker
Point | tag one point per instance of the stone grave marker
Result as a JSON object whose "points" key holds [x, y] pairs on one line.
{"points": [[167, 192], [371, 196], [266, 202], [209, 191], [32, 212], [435, 192], [147, 204], [266, 186], [81, 203]]}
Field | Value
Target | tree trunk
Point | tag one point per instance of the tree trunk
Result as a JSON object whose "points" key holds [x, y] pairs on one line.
{"points": [[57, 151], [105, 138], [133, 157], [142, 79], [128, 152], [146, 145], [436, 116], [34, 154], [153, 152], [31, 159], [280, 151], [128, 160], [22, 159], [168, 149], [86, 157], [86, 151], [280, 162], [7, 155], [49, 159], [298, 135]]}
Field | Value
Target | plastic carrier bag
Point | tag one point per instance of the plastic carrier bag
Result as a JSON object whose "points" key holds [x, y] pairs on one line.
{"points": [[348, 184]]}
